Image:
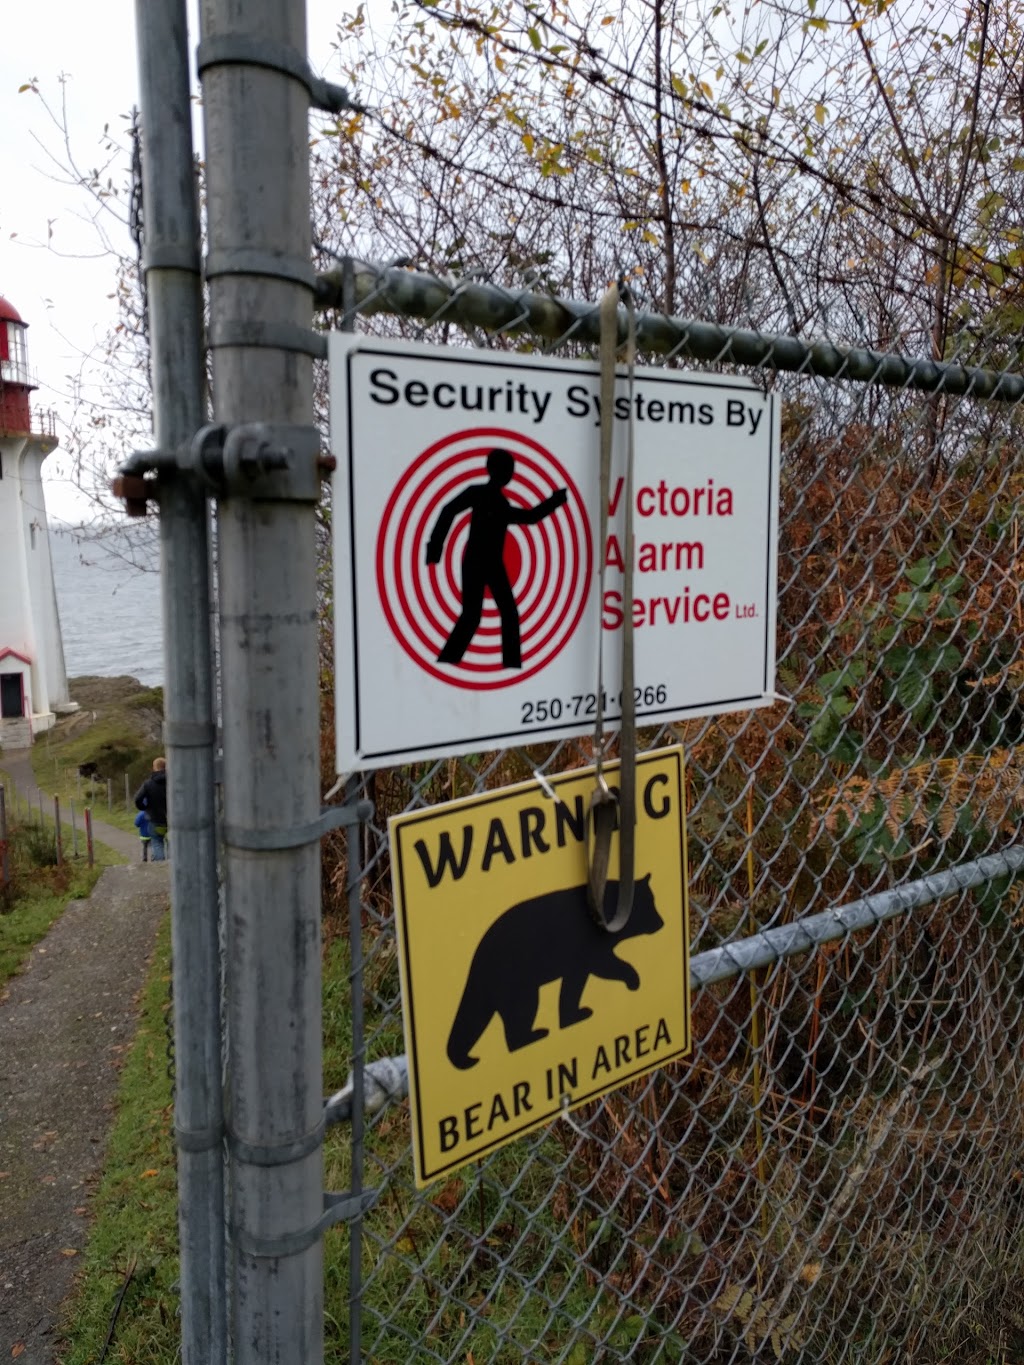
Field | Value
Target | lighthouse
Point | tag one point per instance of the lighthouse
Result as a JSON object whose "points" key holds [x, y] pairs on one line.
{"points": [[33, 681]]}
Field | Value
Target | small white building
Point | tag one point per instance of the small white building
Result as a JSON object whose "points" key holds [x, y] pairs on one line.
{"points": [[33, 681]]}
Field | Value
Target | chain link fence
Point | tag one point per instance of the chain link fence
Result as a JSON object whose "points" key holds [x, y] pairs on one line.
{"points": [[836, 1173]]}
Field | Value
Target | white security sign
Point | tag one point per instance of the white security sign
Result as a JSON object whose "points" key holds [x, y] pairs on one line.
{"points": [[467, 560]]}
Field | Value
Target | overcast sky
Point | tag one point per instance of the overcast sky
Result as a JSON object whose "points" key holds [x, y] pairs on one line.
{"points": [[52, 267]]}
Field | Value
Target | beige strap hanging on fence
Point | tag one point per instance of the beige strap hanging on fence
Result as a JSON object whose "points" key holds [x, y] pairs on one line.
{"points": [[607, 809]]}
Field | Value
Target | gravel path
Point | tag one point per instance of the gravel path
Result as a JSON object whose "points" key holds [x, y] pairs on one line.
{"points": [[65, 1024]]}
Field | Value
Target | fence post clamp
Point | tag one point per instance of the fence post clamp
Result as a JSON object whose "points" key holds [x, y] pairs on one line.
{"points": [[344, 1207], [272, 840], [261, 460]]}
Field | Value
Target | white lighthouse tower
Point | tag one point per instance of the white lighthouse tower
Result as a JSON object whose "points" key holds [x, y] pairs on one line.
{"points": [[33, 681]]}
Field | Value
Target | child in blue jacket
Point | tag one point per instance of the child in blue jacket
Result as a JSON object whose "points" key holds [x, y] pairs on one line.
{"points": [[145, 833]]}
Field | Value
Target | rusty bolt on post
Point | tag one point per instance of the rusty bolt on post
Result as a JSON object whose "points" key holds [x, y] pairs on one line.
{"points": [[134, 491]]}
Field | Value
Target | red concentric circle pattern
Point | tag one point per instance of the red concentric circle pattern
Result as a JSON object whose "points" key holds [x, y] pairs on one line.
{"points": [[549, 564]]}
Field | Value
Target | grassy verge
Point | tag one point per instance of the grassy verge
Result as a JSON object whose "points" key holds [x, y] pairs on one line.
{"points": [[134, 1231], [432, 1261], [33, 903], [39, 890], [23, 815], [54, 780], [118, 731]]}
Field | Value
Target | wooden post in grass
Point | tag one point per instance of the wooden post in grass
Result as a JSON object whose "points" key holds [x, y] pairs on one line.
{"points": [[74, 833], [56, 825], [5, 858], [88, 834]]}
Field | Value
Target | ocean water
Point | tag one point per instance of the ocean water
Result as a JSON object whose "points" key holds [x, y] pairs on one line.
{"points": [[108, 597]]}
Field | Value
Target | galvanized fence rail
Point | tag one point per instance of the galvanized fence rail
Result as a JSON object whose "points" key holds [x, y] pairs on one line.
{"points": [[836, 1174]]}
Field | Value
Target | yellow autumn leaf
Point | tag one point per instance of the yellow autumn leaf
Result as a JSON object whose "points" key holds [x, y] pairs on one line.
{"points": [[146, 1175], [819, 113]]}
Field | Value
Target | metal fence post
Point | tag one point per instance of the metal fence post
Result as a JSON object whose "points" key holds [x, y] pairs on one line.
{"points": [[59, 842], [74, 832], [256, 107], [172, 264], [88, 835]]}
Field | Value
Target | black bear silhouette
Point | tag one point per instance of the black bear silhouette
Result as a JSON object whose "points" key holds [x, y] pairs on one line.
{"points": [[548, 938]]}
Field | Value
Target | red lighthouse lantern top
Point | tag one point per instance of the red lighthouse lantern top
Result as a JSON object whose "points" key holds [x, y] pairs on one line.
{"points": [[8, 312], [16, 382]]}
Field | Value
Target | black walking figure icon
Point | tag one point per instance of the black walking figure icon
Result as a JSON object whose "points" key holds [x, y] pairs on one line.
{"points": [[483, 566]]}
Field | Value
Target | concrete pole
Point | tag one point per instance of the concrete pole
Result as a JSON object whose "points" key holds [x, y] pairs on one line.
{"points": [[172, 264], [260, 281]]}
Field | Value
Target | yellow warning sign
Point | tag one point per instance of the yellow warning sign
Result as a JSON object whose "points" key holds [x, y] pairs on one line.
{"points": [[516, 1002]]}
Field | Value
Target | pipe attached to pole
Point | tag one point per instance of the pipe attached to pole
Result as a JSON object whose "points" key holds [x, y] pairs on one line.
{"points": [[173, 282]]}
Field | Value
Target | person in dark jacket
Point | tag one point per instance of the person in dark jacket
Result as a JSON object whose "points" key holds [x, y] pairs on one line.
{"points": [[152, 798]]}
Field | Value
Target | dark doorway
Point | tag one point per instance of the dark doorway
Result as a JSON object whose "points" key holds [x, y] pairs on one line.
{"points": [[11, 701]]}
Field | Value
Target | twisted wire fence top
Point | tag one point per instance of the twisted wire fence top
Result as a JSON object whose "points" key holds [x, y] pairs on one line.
{"points": [[480, 304]]}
